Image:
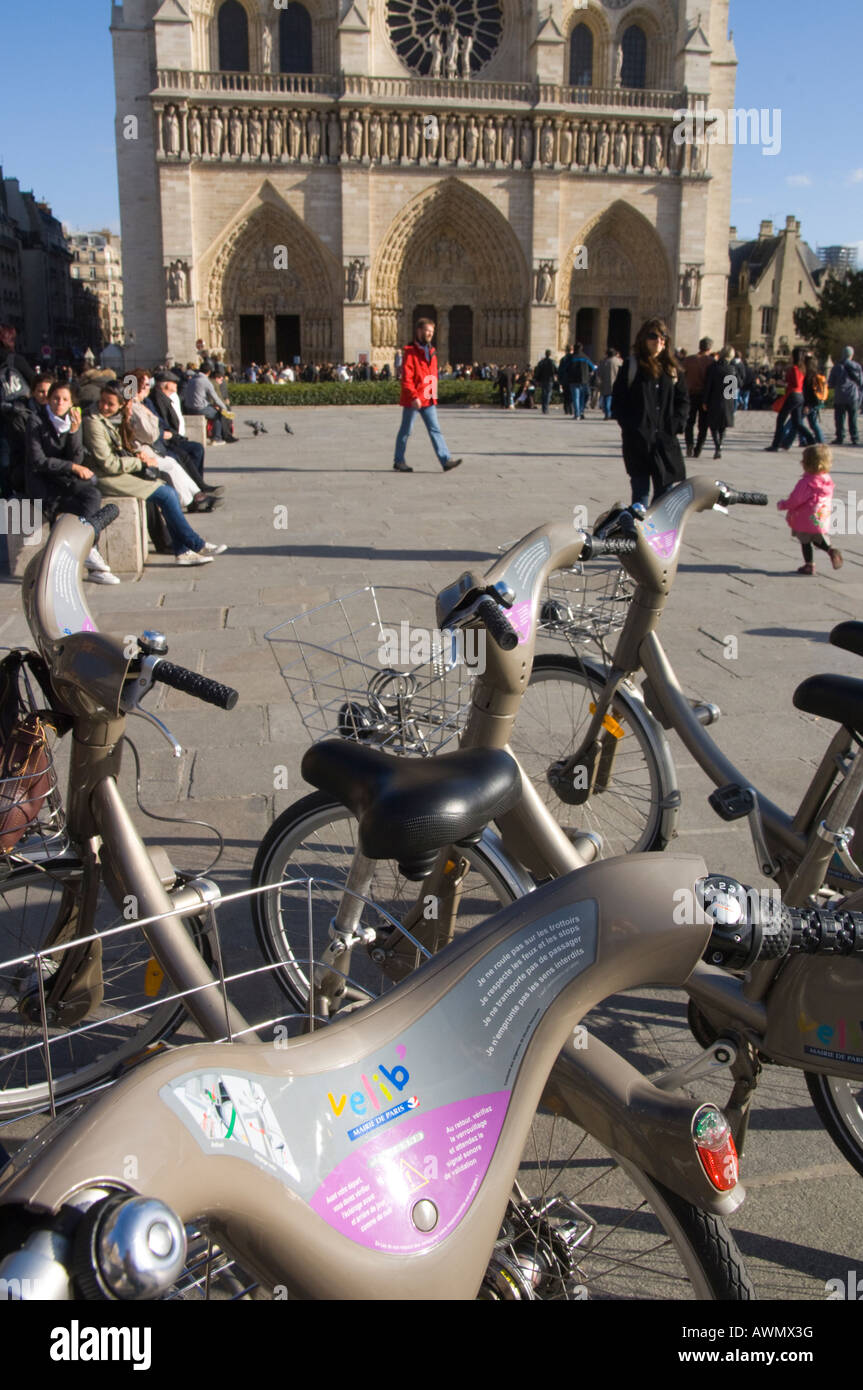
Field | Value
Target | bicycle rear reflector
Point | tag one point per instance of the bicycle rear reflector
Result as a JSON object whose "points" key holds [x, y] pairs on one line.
{"points": [[716, 1148]]}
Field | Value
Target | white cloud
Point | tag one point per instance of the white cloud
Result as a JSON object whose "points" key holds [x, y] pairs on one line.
{"points": [[799, 181]]}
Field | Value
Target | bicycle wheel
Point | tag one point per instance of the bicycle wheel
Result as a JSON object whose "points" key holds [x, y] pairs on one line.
{"points": [[316, 838], [839, 1103], [637, 810], [584, 1223], [32, 901]]}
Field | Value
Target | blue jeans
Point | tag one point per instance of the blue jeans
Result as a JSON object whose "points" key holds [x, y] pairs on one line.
{"points": [[606, 406], [743, 398], [546, 396], [579, 400], [813, 415], [430, 420], [180, 531], [840, 411]]}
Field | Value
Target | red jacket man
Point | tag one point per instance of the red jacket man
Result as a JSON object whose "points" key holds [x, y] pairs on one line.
{"points": [[419, 395]]}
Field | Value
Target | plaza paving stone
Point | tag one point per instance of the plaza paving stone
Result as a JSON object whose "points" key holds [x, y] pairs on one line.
{"points": [[352, 520]]}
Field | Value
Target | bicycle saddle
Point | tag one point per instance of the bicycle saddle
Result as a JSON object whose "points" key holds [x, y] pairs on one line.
{"points": [[848, 636], [832, 697], [411, 808]]}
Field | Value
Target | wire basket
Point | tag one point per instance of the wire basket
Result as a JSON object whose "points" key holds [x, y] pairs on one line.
{"points": [[585, 603], [367, 667], [44, 835]]}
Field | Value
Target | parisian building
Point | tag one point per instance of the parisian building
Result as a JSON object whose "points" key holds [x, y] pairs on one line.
{"points": [[304, 179], [770, 276], [33, 249], [97, 262]]}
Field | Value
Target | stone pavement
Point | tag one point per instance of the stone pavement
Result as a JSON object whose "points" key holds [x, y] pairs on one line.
{"points": [[351, 520]]}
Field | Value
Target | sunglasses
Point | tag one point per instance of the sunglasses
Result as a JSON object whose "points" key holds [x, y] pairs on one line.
{"points": [[659, 336]]}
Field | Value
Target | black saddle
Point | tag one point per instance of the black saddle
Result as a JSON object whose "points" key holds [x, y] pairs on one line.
{"points": [[848, 636], [411, 808], [833, 697]]}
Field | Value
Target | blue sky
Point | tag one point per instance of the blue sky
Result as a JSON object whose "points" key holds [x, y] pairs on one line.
{"points": [[57, 126]]}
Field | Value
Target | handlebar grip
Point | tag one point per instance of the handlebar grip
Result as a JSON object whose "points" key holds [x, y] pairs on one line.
{"points": [[747, 499], [497, 623], [612, 545], [103, 518], [192, 683]]}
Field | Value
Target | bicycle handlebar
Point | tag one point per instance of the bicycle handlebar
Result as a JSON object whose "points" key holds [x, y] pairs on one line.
{"points": [[497, 624], [103, 518], [746, 499], [612, 545], [193, 683], [778, 932]]}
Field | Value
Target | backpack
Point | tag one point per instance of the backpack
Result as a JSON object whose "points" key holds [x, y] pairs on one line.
{"points": [[819, 387]]}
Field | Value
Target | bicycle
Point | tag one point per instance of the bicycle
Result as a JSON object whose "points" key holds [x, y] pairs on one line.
{"points": [[389, 1152], [582, 768]]}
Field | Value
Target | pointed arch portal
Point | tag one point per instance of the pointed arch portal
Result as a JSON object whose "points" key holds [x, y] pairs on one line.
{"points": [[615, 276]]}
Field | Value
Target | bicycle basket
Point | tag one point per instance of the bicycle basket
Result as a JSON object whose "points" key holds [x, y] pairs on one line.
{"points": [[367, 667], [32, 824], [585, 603]]}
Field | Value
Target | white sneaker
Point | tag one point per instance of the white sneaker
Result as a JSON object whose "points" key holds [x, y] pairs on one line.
{"points": [[95, 561], [210, 548], [189, 557], [216, 444], [102, 577]]}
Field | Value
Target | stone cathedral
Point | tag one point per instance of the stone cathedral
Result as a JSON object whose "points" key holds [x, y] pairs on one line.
{"points": [[304, 178]]}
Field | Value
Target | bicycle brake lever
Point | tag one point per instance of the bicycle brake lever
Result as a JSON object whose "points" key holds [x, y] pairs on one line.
{"points": [[176, 748]]}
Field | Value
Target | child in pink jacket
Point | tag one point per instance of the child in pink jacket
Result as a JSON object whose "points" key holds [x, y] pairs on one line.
{"points": [[808, 507]]}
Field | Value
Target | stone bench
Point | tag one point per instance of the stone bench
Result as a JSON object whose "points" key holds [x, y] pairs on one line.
{"points": [[124, 544], [196, 428]]}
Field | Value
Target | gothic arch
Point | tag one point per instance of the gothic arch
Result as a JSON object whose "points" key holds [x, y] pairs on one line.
{"points": [[597, 22], [245, 273], [617, 262], [660, 33], [450, 246]]}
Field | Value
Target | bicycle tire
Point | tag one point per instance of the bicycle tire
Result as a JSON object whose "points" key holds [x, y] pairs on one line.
{"points": [[638, 810], [85, 1056], [839, 1102], [295, 847]]}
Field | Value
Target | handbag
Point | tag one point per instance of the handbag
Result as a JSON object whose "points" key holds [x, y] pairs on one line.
{"points": [[26, 779]]}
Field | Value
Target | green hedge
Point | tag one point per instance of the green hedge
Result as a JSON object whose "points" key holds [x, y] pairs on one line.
{"points": [[353, 393]]}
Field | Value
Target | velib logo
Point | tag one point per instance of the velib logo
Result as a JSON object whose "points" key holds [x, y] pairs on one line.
{"points": [[77, 1343], [383, 1085]]}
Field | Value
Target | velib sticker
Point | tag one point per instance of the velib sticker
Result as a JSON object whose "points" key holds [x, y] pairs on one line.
{"points": [[521, 575], [391, 1150], [662, 527]]}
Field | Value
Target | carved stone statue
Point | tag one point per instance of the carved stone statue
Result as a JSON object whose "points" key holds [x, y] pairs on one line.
{"points": [[657, 153], [235, 132], [433, 44], [451, 142], [414, 135], [375, 137], [431, 132], [466, 53], [566, 144], [583, 147], [395, 141], [256, 135], [276, 136], [334, 137], [267, 48], [636, 154], [546, 144], [526, 145], [216, 133], [471, 140], [452, 54], [602, 146], [545, 282], [355, 135], [676, 154], [178, 282], [172, 131], [618, 65], [620, 147], [295, 130], [314, 136], [195, 141], [354, 279], [489, 141], [507, 141]]}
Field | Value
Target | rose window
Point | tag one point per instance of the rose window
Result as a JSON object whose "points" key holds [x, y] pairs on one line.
{"points": [[445, 38]]}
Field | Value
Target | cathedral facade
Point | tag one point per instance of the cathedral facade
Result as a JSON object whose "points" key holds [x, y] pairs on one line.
{"points": [[304, 178]]}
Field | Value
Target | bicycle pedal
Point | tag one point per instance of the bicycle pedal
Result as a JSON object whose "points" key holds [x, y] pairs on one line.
{"points": [[732, 802]]}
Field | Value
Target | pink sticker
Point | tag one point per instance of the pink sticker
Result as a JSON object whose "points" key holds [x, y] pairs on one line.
{"points": [[409, 1186], [520, 617], [663, 543], [88, 625]]}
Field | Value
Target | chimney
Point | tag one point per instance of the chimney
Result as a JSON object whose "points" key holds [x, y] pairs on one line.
{"points": [[791, 224], [765, 230], [732, 233]]}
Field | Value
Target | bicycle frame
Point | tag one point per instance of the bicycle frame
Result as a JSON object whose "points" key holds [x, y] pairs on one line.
{"points": [[90, 675], [268, 1181]]}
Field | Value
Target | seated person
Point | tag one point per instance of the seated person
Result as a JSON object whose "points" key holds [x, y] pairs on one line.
{"points": [[164, 401], [146, 431], [200, 398], [123, 473], [54, 470]]}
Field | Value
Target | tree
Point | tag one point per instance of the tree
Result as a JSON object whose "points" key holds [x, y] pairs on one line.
{"points": [[838, 318]]}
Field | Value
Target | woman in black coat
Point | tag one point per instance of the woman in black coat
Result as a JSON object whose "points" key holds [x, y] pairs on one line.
{"points": [[721, 386], [650, 402]]}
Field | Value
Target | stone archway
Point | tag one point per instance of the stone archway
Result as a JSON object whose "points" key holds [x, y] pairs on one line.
{"points": [[616, 266], [451, 247], [271, 274]]}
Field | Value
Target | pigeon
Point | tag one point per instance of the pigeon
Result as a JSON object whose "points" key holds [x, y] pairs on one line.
{"points": [[253, 425], [288, 429], [262, 427]]}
